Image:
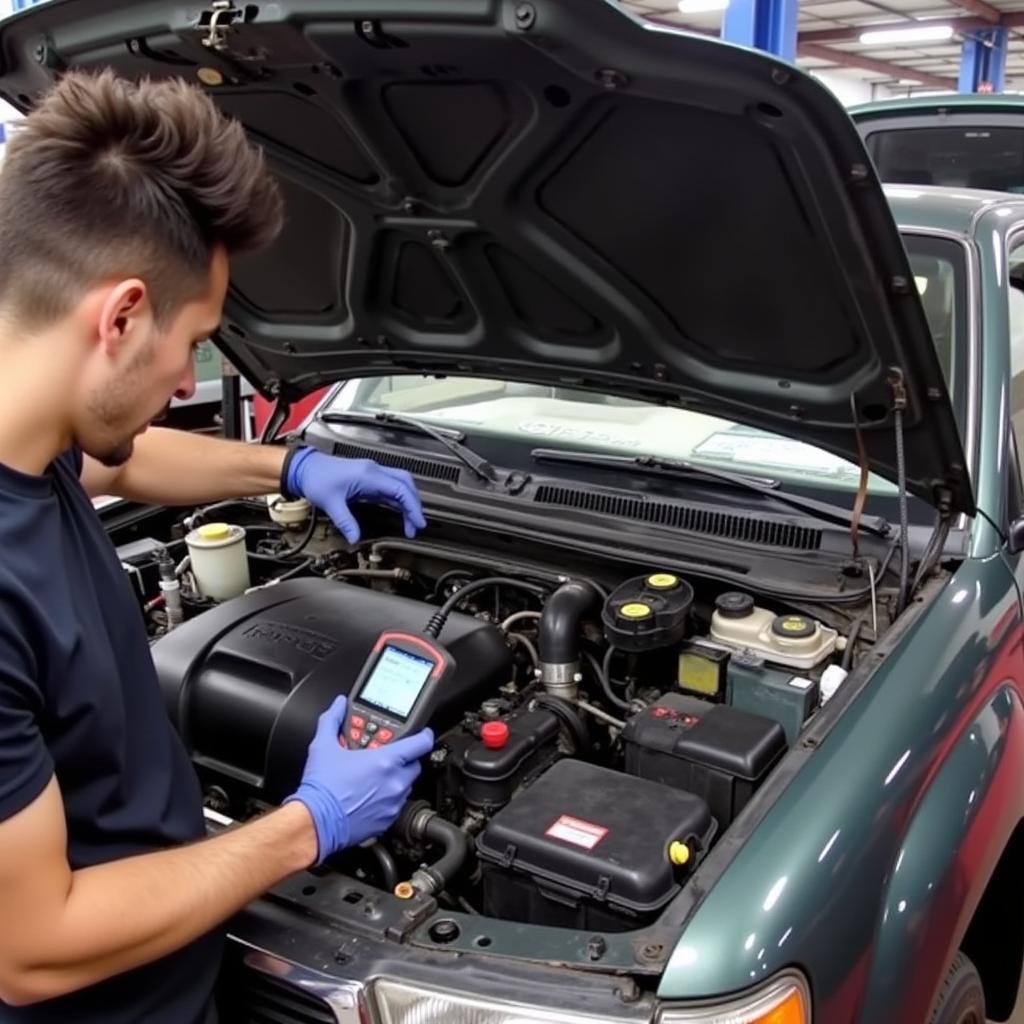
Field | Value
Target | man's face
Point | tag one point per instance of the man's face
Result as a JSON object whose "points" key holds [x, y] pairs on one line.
{"points": [[132, 388]]}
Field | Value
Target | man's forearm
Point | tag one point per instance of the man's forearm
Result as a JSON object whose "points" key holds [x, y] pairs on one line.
{"points": [[172, 467], [130, 912]]}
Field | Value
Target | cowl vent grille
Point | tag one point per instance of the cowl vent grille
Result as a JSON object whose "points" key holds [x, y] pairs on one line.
{"points": [[418, 467], [752, 530]]}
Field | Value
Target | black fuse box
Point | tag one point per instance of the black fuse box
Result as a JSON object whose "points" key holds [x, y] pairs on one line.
{"points": [[712, 750], [589, 848]]}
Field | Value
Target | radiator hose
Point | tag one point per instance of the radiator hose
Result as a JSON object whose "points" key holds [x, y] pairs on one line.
{"points": [[419, 823]]}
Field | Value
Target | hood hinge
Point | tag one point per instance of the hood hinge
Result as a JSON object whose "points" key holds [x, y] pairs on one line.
{"points": [[222, 14]]}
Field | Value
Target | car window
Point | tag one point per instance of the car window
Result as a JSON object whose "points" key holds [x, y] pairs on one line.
{"points": [[552, 416], [963, 157]]}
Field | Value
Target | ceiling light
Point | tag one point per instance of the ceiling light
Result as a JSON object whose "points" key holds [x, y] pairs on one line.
{"points": [[701, 6], [910, 81], [915, 34]]}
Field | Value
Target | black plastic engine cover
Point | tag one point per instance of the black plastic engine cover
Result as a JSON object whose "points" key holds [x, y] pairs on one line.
{"points": [[245, 682]]}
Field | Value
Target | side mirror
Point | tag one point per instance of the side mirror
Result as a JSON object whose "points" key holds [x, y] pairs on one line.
{"points": [[1015, 539]]}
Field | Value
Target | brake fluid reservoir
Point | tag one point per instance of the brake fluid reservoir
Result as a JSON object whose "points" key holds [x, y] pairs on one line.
{"points": [[793, 640], [219, 560]]}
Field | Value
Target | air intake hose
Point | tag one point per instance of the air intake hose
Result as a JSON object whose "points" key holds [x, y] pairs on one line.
{"points": [[559, 629]]}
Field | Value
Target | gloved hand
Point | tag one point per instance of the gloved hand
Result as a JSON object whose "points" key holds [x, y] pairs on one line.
{"points": [[353, 795], [331, 483]]}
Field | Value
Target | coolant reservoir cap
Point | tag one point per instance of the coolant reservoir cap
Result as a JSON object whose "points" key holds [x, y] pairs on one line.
{"points": [[215, 531], [663, 581], [494, 735], [636, 610], [795, 627], [734, 604]]}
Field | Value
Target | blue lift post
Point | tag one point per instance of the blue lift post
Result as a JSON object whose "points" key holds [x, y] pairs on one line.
{"points": [[768, 25], [983, 64]]}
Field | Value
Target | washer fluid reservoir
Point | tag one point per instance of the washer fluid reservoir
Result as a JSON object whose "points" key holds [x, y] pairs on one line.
{"points": [[793, 640]]}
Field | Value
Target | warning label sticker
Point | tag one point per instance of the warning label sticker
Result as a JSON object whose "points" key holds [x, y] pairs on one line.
{"points": [[576, 831]]}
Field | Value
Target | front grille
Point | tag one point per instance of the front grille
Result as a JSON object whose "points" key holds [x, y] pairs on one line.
{"points": [[261, 999], [418, 467], [776, 533]]}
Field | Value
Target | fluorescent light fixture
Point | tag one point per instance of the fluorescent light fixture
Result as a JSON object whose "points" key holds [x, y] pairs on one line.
{"points": [[701, 6], [913, 34], [911, 81]]}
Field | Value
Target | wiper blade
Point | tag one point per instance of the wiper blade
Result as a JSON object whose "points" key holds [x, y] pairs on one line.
{"points": [[451, 439], [680, 468]]}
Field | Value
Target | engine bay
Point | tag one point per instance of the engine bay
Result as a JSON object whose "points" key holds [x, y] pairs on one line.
{"points": [[597, 732]]}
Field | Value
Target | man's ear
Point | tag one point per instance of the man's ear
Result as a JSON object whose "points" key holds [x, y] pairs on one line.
{"points": [[123, 306]]}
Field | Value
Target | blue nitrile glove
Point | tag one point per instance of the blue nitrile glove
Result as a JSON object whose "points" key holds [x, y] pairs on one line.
{"points": [[354, 795], [331, 483]]}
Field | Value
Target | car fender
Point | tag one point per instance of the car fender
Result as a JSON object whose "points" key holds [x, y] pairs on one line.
{"points": [[813, 880]]}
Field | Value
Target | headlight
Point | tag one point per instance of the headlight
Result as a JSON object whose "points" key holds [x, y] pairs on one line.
{"points": [[785, 1001], [398, 1003]]}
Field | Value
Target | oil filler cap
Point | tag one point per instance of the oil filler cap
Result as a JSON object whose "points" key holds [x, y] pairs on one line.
{"points": [[795, 627], [494, 735]]}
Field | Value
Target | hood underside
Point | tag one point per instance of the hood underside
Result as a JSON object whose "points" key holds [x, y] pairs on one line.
{"points": [[546, 191]]}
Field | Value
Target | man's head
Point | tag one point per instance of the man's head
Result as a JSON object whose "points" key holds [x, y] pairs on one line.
{"points": [[120, 204]]}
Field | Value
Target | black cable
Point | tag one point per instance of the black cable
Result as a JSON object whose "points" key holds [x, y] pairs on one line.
{"points": [[851, 641], [932, 554], [901, 480], [440, 617], [302, 566], [602, 678], [305, 539]]}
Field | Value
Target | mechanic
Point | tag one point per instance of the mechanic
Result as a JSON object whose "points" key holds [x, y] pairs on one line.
{"points": [[120, 204]]}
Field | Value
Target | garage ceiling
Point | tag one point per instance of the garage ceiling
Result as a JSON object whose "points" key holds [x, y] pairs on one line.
{"points": [[830, 30]]}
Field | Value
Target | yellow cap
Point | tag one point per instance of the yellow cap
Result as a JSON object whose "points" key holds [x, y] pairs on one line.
{"points": [[679, 853], [636, 610], [215, 531], [405, 890], [663, 581], [794, 624]]}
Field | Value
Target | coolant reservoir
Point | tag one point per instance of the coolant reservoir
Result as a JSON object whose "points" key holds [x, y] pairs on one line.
{"points": [[219, 560], [793, 640]]}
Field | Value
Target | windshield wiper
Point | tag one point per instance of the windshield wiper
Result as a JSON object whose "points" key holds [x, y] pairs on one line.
{"points": [[679, 468], [451, 439]]}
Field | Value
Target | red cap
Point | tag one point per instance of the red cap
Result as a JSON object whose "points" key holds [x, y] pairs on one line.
{"points": [[494, 735]]}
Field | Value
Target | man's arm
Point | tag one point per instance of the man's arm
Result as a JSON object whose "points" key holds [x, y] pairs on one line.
{"points": [[61, 930], [173, 467]]}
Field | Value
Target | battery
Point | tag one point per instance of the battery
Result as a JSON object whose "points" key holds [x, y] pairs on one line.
{"points": [[787, 697], [590, 848], [715, 751]]}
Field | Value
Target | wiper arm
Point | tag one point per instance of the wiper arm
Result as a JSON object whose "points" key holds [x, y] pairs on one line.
{"points": [[451, 439], [680, 468]]}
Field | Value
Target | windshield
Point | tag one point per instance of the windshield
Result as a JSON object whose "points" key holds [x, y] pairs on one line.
{"points": [[558, 417], [963, 157]]}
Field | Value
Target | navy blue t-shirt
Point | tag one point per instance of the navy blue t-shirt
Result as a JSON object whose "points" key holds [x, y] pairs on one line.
{"points": [[79, 699]]}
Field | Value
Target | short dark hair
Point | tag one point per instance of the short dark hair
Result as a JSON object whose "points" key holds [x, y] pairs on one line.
{"points": [[108, 177]]}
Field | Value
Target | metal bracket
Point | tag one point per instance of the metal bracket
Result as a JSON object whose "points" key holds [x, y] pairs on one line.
{"points": [[898, 388], [223, 14]]}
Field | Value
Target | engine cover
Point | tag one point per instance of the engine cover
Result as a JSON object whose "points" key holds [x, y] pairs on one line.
{"points": [[245, 682]]}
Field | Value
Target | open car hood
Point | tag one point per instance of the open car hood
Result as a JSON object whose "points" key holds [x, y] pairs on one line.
{"points": [[547, 191]]}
